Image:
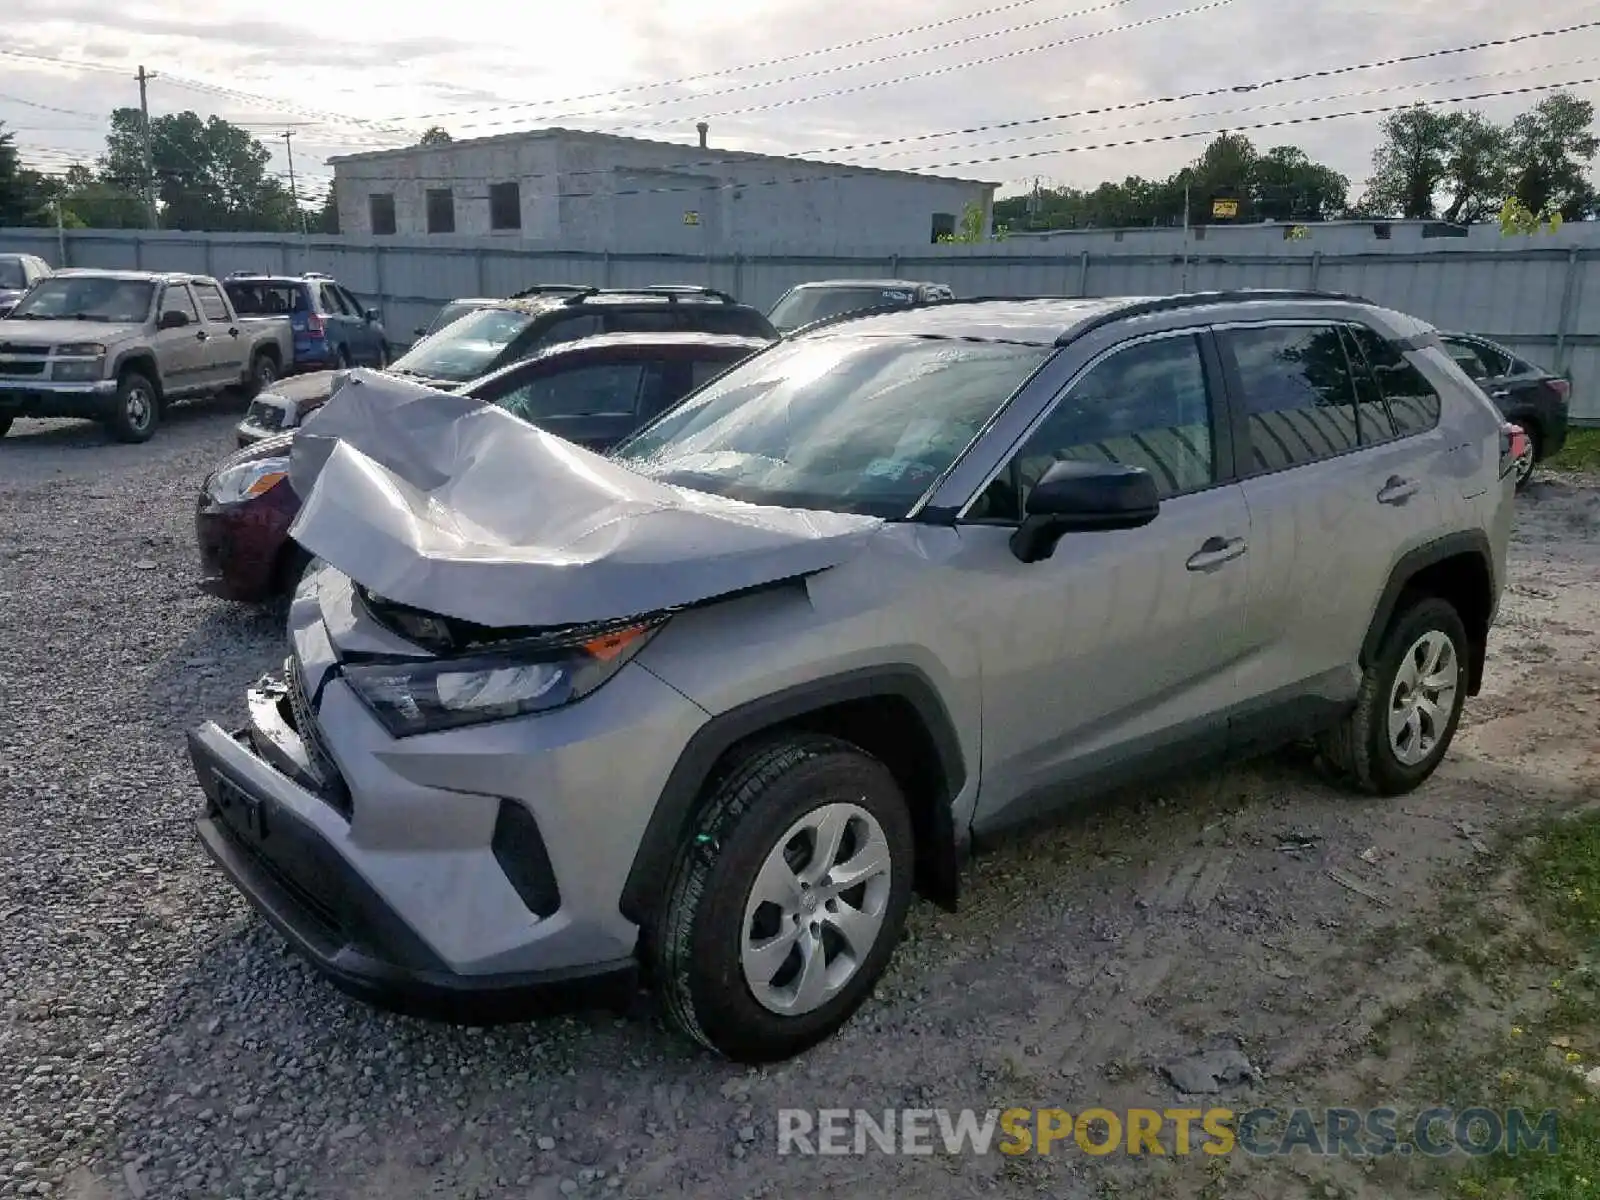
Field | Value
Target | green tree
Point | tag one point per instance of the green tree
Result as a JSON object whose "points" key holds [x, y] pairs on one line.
{"points": [[328, 217], [1550, 149], [96, 203], [1287, 186], [209, 174], [970, 229], [435, 135], [1477, 168], [22, 191], [1410, 163]]}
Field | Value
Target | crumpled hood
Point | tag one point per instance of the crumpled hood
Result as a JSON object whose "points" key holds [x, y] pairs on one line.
{"points": [[56, 332], [447, 504]]}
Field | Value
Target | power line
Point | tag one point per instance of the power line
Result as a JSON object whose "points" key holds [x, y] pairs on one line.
{"points": [[839, 68], [854, 89], [1252, 108], [869, 167], [1224, 89], [1154, 139], [724, 72]]}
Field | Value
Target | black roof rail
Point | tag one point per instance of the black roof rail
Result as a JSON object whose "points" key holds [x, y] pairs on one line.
{"points": [[920, 302], [671, 292], [540, 288], [1159, 304]]}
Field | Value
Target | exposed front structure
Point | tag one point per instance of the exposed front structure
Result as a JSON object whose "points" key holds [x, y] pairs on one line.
{"points": [[601, 190]]}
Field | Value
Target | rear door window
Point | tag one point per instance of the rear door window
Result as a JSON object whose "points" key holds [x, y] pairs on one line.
{"points": [[331, 304], [570, 329], [1413, 402], [1298, 393]]}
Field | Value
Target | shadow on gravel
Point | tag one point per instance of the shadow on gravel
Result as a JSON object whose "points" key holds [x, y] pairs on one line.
{"points": [[83, 434], [228, 647]]}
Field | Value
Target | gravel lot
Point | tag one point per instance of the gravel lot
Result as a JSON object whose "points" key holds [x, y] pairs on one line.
{"points": [[159, 1041]]}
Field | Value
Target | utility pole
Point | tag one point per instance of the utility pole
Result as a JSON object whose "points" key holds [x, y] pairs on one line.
{"points": [[61, 233], [144, 135], [294, 193]]}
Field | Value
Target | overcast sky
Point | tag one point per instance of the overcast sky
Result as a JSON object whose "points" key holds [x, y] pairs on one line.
{"points": [[361, 74]]}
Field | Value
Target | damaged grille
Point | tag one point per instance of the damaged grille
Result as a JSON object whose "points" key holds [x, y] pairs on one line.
{"points": [[304, 720]]}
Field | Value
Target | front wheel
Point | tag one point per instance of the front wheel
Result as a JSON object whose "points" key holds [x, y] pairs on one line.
{"points": [[136, 409], [787, 898], [1409, 704]]}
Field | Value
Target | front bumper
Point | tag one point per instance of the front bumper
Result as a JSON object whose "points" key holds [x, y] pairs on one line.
{"points": [[257, 827], [22, 396], [243, 546]]}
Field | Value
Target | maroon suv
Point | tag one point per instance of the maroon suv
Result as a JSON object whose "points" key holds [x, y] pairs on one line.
{"points": [[593, 392]]}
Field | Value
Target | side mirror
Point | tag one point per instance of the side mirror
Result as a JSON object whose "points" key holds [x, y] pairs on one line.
{"points": [[173, 319], [372, 314], [1078, 497]]}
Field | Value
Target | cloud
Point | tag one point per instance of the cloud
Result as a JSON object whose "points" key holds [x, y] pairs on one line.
{"points": [[382, 72]]}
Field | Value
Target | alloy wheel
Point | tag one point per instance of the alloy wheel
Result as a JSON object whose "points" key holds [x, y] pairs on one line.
{"points": [[816, 909]]}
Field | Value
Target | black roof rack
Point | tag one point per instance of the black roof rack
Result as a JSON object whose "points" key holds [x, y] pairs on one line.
{"points": [[671, 292], [1159, 304], [541, 288]]}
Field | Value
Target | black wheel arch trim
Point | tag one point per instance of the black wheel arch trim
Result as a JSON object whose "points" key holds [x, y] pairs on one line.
{"points": [[1412, 564], [142, 360], [646, 883]]}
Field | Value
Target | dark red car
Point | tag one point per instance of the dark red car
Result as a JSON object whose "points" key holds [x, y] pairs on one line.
{"points": [[593, 392]]}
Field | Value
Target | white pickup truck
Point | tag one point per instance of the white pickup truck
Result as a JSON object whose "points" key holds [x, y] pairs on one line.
{"points": [[120, 346]]}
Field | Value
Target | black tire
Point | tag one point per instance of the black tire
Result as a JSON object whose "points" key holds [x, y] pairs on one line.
{"points": [[263, 374], [1536, 452], [5, 426], [1360, 748], [136, 410], [754, 801]]}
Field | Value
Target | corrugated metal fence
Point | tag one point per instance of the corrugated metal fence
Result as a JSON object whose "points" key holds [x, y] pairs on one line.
{"points": [[1543, 302]]}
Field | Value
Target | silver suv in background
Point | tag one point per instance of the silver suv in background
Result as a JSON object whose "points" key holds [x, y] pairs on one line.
{"points": [[825, 299], [712, 706]]}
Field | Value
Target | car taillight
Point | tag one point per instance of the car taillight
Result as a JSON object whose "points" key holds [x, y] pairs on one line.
{"points": [[314, 325], [1513, 445], [1561, 387]]}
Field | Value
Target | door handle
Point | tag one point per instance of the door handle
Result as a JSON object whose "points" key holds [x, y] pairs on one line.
{"points": [[1397, 490], [1499, 394], [1215, 551]]}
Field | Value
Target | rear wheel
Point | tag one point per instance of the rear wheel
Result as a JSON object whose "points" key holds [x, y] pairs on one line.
{"points": [[1409, 704], [787, 899], [263, 374], [136, 410]]}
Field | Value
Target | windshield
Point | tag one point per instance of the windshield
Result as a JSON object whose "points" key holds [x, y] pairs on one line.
{"points": [[449, 313], [87, 298], [847, 424], [466, 348], [803, 305], [11, 275]]}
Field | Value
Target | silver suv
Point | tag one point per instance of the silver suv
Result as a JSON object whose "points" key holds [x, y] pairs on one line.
{"points": [[714, 705]]}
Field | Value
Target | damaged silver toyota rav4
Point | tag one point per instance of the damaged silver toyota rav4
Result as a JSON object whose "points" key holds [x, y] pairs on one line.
{"points": [[707, 710]]}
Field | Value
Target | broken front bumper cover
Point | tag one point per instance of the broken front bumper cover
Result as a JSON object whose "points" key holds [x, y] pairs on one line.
{"points": [[284, 866]]}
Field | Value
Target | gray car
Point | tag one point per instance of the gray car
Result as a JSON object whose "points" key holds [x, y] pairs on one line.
{"points": [[716, 704]]}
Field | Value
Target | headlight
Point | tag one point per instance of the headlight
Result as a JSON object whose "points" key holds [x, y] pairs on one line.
{"points": [[81, 350], [77, 370], [247, 479], [511, 681]]}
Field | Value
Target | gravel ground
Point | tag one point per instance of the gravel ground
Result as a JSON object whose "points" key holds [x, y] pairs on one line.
{"points": [[160, 1042]]}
